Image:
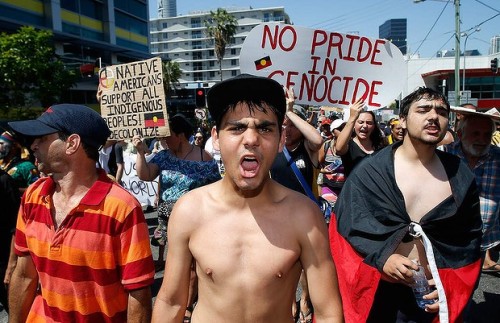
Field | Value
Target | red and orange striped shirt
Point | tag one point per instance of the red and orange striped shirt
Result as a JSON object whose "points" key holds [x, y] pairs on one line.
{"points": [[99, 252]]}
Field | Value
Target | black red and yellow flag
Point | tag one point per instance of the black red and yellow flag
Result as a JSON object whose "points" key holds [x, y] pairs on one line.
{"points": [[263, 63], [156, 119]]}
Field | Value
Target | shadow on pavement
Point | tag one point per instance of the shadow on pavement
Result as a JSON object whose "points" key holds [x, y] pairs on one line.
{"points": [[484, 312]]}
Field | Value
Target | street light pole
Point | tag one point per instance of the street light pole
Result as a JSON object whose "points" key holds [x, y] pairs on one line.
{"points": [[457, 52], [465, 49]]}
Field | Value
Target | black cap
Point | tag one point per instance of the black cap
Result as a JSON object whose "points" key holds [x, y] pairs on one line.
{"points": [[245, 87], [67, 118]]}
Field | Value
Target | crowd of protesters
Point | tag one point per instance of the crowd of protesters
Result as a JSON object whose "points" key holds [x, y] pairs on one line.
{"points": [[389, 189]]}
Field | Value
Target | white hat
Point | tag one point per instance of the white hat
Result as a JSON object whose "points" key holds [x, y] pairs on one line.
{"points": [[492, 113], [335, 124]]}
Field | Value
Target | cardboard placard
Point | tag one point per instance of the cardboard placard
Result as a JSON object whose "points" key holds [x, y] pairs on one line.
{"points": [[325, 68], [133, 99], [144, 192]]}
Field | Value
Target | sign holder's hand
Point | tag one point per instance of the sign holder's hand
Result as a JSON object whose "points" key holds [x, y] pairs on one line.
{"points": [[290, 98], [356, 108], [99, 93], [139, 145]]}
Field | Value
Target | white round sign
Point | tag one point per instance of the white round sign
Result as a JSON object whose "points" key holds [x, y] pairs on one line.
{"points": [[325, 68], [200, 113]]}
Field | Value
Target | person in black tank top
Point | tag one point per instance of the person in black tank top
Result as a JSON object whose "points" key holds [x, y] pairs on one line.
{"points": [[360, 137]]}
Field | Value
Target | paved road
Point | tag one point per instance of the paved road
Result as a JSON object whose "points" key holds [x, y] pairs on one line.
{"points": [[485, 305]]}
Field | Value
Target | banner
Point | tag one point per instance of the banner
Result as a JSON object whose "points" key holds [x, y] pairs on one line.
{"points": [[133, 99], [144, 192], [325, 68]]}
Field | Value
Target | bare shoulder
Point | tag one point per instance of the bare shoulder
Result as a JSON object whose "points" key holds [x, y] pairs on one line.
{"points": [[200, 194], [299, 208], [192, 205]]}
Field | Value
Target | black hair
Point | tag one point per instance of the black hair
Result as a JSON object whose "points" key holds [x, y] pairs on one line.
{"points": [[252, 106], [421, 92], [376, 135], [180, 124], [91, 151]]}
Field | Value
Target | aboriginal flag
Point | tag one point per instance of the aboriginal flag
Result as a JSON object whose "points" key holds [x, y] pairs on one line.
{"points": [[370, 220], [155, 119], [263, 63]]}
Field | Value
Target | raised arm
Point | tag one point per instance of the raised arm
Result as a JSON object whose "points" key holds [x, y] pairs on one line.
{"points": [[312, 138], [146, 171], [342, 142]]}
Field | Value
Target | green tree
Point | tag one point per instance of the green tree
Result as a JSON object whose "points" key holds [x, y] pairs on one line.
{"points": [[171, 75], [31, 73], [221, 28]]}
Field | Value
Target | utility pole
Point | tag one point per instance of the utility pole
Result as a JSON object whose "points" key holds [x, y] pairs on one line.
{"points": [[457, 52], [457, 47]]}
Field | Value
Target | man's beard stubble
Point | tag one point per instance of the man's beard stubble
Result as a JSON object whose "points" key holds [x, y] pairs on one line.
{"points": [[472, 151]]}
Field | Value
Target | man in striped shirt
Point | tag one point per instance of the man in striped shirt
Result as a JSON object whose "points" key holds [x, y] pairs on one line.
{"points": [[82, 240]]}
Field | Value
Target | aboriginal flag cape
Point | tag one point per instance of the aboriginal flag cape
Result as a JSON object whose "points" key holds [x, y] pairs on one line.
{"points": [[371, 221]]}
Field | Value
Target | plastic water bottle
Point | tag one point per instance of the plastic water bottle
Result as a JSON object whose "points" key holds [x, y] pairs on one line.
{"points": [[421, 287]]}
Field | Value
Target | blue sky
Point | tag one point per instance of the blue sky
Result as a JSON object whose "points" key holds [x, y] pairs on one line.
{"points": [[364, 17]]}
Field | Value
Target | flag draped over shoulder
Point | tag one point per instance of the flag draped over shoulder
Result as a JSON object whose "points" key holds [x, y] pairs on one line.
{"points": [[371, 221]]}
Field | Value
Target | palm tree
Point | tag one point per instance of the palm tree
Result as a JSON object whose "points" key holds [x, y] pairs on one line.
{"points": [[221, 27], [171, 74]]}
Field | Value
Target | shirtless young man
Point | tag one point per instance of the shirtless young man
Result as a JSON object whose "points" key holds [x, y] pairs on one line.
{"points": [[249, 236], [390, 205]]}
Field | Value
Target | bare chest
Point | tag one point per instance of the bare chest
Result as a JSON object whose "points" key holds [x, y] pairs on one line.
{"points": [[423, 189], [246, 251], [61, 208]]}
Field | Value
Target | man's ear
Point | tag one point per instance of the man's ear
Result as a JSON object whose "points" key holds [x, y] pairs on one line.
{"points": [[282, 140], [215, 136], [73, 142]]}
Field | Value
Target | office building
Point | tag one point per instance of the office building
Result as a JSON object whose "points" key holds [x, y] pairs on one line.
{"points": [[183, 39], [495, 45], [167, 8], [395, 31], [114, 30]]}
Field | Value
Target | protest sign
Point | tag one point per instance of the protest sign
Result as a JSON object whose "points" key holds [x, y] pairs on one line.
{"points": [[325, 68], [144, 192], [133, 99]]}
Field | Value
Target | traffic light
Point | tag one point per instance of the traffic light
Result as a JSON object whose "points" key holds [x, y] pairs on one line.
{"points": [[494, 65], [200, 97]]}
